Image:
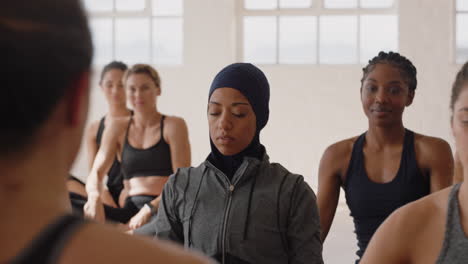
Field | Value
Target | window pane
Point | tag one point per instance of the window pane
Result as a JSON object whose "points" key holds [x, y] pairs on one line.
{"points": [[340, 3], [261, 4], [378, 33], [98, 5], [260, 39], [168, 7], [101, 30], [376, 3], [338, 39], [167, 41], [295, 3], [462, 5], [129, 5], [298, 42], [132, 40], [462, 38]]}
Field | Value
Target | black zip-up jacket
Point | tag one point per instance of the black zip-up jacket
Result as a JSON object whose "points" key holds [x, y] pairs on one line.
{"points": [[264, 215]]}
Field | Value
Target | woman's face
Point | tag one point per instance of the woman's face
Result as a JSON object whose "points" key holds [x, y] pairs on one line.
{"points": [[142, 91], [460, 125], [231, 121], [112, 86], [384, 95]]}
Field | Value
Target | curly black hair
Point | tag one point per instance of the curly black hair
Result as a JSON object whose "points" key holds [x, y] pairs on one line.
{"points": [[459, 84], [406, 67]]}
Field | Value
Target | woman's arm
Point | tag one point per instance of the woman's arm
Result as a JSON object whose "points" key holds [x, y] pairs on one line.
{"points": [[102, 163], [329, 183], [437, 159], [177, 137], [91, 144]]}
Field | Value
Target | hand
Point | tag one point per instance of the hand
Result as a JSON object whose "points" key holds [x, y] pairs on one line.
{"points": [[94, 209], [142, 217]]}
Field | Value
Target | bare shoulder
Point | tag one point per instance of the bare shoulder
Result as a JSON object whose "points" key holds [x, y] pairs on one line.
{"points": [[98, 243], [174, 122], [431, 145], [340, 148], [175, 128], [339, 152]]}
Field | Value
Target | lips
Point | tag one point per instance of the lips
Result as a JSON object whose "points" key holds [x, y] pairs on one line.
{"points": [[381, 110], [225, 139]]}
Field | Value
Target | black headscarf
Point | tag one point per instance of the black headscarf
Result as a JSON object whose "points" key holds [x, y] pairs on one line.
{"points": [[252, 83]]}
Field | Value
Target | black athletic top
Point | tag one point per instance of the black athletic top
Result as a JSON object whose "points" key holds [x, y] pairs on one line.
{"points": [[115, 178], [46, 248], [153, 161], [371, 203]]}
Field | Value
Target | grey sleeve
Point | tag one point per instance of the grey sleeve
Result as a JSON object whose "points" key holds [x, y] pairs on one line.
{"points": [[304, 243], [167, 224]]}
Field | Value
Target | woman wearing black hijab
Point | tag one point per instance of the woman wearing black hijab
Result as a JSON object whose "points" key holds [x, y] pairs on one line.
{"points": [[237, 207]]}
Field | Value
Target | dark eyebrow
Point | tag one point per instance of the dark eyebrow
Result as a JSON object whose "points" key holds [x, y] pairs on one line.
{"points": [[390, 82], [464, 109], [233, 104], [395, 82], [239, 103]]}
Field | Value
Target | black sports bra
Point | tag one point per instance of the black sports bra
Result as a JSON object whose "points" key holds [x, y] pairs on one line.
{"points": [[153, 161]]}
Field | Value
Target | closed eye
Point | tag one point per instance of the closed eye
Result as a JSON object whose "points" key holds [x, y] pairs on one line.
{"points": [[239, 115]]}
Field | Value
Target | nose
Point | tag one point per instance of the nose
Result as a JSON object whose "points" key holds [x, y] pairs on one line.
{"points": [[381, 96], [225, 123]]}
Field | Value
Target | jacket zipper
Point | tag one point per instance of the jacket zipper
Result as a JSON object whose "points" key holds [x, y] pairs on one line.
{"points": [[226, 215]]}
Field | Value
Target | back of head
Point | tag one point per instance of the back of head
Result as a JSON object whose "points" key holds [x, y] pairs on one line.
{"points": [[45, 47]]}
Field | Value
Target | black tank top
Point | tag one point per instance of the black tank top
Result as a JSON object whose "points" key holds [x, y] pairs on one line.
{"points": [[371, 203], [47, 247], [153, 161], [115, 178]]}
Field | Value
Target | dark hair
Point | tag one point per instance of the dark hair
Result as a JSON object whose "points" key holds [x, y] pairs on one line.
{"points": [[114, 65], [145, 69], [45, 46], [458, 84], [405, 66]]}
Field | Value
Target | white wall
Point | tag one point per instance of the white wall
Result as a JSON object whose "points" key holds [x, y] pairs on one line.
{"points": [[311, 106]]}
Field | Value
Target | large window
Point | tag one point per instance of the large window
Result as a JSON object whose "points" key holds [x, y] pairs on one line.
{"points": [[461, 31], [137, 31], [316, 31]]}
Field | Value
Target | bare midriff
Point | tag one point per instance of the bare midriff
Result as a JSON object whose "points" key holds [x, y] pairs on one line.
{"points": [[148, 185]]}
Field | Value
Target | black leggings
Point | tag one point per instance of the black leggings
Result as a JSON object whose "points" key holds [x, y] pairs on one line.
{"points": [[132, 205]]}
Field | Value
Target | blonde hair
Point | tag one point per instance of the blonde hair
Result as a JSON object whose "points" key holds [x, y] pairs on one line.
{"points": [[145, 69]]}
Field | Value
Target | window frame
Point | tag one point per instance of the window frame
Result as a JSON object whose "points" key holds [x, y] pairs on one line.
{"points": [[147, 13], [455, 36], [317, 9]]}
